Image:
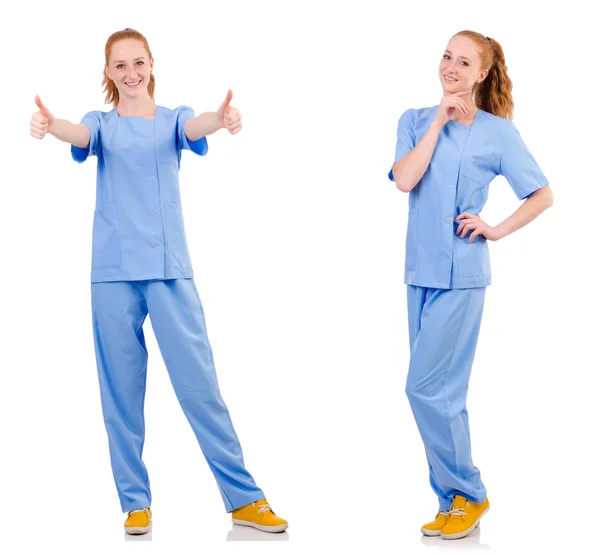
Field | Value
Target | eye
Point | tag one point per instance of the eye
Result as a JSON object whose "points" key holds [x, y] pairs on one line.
{"points": [[119, 66], [446, 56], [141, 62]]}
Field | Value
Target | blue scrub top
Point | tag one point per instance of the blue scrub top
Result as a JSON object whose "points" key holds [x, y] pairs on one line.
{"points": [[138, 230], [465, 160]]}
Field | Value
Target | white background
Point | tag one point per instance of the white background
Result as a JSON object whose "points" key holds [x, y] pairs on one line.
{"points": [[297, 241]]}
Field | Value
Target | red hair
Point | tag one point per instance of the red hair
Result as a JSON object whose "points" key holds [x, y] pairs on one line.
{"points": [[112, 93], [493, 94]]}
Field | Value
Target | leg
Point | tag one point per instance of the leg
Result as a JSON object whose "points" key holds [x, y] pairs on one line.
{"points": [[178, 322], [441, 358], [118, 312], [416, 297]]}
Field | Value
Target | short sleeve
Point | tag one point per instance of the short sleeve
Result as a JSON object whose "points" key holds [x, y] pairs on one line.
{"points": [[518, 165], [92, 120], [406, 137], [199, 146]]}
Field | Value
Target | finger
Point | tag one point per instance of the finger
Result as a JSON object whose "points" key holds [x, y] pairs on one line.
{"points": [[234, 121], [44, 111], [235, 129], [475, 233], [468, 227], [464, 215], [37, 125], [39, 117], [225, 104]]}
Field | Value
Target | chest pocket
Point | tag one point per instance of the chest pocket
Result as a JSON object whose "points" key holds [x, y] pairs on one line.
{"points": [[481, 168]]}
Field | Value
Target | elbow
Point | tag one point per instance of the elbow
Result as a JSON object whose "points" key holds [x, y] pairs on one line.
{"points": [[403, 188], [548, 196]]}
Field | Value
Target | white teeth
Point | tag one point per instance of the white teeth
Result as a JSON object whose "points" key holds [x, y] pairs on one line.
{"points": [[449, 78], [133, 84]]}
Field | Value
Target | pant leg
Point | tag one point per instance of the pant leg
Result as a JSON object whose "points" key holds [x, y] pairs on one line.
{"points": [[118, 312], [416, 297], [445, 339], [178, 322]]}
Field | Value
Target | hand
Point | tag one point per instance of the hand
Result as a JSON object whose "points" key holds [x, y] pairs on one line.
{"points": [[41, 121], [470, 222], [452, 106], [229, 117]]}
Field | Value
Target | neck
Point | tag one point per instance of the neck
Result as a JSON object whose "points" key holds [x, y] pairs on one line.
{"points": [[142, 106]]}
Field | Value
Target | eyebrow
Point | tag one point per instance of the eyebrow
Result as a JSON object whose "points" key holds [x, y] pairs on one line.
{"points": [[460, 56], [123, 61]]}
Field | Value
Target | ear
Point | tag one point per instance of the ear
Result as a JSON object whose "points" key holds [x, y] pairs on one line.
{"points": [[483, 75], [151, 64]]}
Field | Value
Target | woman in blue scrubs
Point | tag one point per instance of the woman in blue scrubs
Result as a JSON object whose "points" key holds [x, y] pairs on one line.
{"points": [[446, 157], [141, 266]]}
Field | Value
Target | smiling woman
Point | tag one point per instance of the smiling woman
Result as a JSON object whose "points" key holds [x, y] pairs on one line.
{"points": [[446, 157], [128, 70], [141, 266]]}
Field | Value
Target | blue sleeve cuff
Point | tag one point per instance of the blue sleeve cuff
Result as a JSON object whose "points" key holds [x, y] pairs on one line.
{"points": [[199, 146], [79, 154]]}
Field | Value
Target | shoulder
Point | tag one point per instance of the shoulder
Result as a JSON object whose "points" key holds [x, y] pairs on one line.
{"points": [[96, 118], [181, 110], [497, 124], [421, 115]]}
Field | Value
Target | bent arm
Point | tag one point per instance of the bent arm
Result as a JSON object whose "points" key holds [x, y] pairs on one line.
{"points": [[535, 204], [76, 134], [410, 169]]}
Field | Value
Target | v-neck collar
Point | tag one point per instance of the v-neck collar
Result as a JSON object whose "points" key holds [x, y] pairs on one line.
{"points": [[464, 125]]}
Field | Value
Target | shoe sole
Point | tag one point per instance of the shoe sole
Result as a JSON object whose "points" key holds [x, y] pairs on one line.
{"points": [[430, 533], [139, 530], [260, 527], [466, 532]]}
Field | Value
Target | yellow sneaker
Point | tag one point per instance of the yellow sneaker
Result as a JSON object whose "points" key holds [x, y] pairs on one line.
{"points": [[259, 515], [434, 528], [464, 518], [138, 522]]}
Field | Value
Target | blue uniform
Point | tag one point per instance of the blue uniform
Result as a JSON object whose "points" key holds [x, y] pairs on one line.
{"points": [[446, 278], [141, 266]]}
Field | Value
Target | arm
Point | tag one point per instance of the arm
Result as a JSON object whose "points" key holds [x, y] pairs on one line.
{"points": [[203, 125], [410, 169], [76, 134], [535, 204], [210, 122], [43, 122]]}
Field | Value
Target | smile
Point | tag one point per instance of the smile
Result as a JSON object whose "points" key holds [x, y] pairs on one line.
{"points": [[449, 79], [134, 84]]}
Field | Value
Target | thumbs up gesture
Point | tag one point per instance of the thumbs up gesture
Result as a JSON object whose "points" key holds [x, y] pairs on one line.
{"points": [[41, 121], [230, 117]]}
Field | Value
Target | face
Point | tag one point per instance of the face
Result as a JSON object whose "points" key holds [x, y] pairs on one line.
{"points": [[130, 68], [460, 66]]}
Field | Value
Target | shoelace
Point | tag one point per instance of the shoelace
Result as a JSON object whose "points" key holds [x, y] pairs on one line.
{"points": [[263, 508], [458, 512]]}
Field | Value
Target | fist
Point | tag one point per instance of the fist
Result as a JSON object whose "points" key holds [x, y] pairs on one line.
{"points": [[41, 121], [230, 116]]}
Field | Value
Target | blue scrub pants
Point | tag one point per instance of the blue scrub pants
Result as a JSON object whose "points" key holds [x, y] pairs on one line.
{"points": [[443, 329], [118, 312]]}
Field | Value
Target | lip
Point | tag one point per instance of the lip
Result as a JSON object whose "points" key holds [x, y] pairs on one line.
{"points": [[450, 78], [139, 82]]}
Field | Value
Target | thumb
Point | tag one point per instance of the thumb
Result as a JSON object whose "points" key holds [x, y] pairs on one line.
{"points": [[40, 105], [225, 105]]}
